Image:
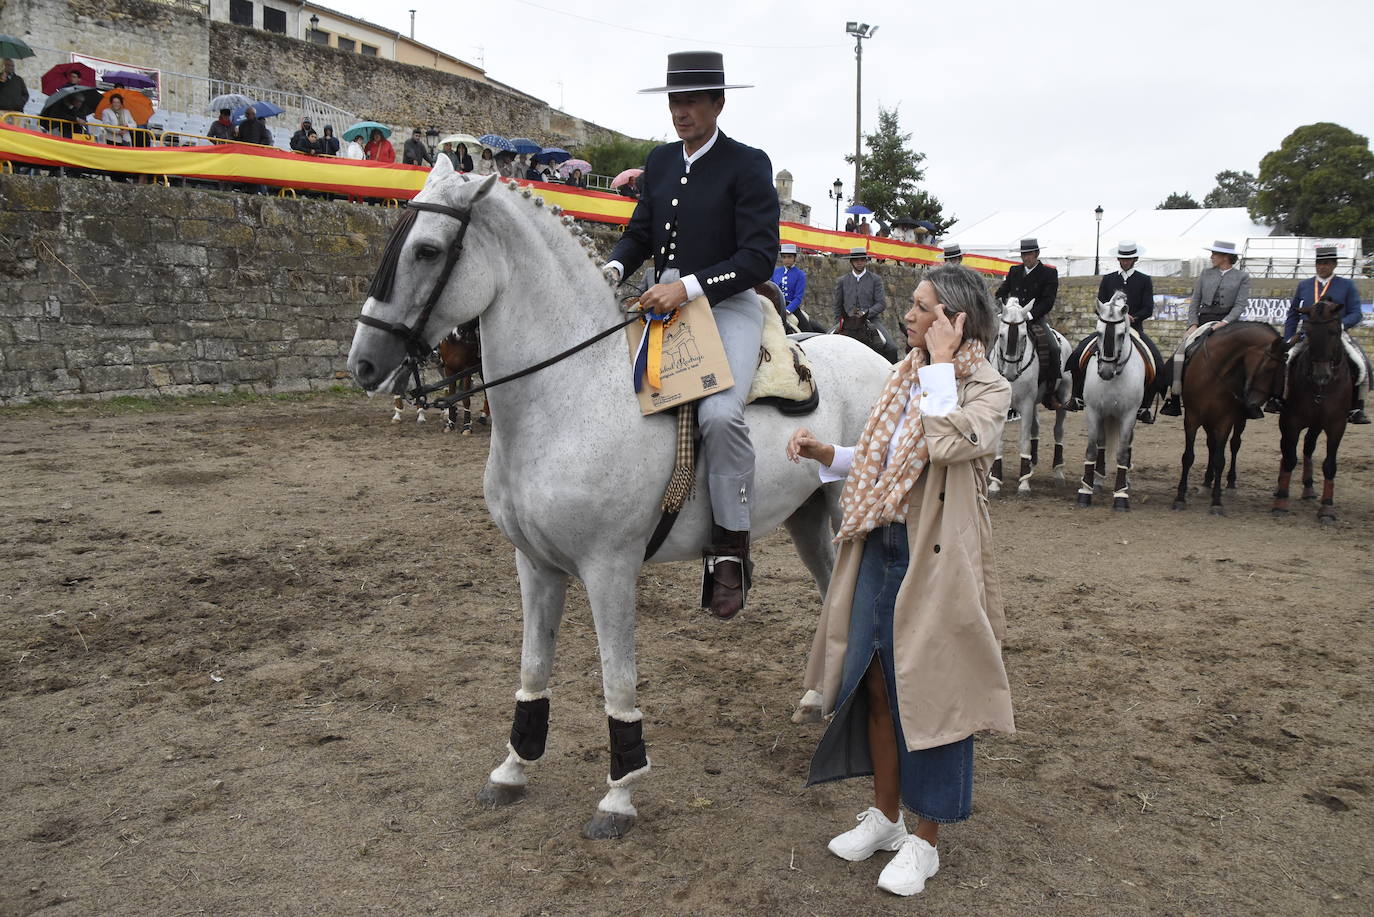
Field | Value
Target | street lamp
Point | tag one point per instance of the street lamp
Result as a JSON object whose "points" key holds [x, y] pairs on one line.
{"points": [[432, 137], [837, 195], [314, 23], [1097, 249], [860, 31]]}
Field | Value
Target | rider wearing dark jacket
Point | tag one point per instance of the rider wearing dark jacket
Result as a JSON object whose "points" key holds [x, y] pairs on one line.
{"points": [[1033, 281]]}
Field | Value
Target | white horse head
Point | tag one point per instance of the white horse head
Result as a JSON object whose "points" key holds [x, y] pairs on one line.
{"points": [[1113, 329], [1011, 337], [470, 247]]}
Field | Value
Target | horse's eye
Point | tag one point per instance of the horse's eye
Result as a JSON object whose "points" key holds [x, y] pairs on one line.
{"points": [[426, 252]]}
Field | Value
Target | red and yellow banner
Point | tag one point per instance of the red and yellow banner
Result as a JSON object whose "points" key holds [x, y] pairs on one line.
{"points": [[258, 165]]}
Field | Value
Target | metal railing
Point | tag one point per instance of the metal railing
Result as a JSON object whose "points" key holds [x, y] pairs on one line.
{"points": [[190, 94]]}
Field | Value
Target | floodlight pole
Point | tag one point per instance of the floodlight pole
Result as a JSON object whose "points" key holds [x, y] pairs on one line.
{"points": [[860, 31]]}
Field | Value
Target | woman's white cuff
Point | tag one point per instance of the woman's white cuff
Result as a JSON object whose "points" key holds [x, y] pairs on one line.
{"points": [[939, 395], [838, 469]]}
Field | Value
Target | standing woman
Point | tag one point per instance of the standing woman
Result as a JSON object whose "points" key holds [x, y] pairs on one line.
{"points": [[486, 164], [908, 651], [462, 161], [379, 149]]}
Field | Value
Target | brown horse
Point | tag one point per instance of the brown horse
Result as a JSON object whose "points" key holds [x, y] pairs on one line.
{"points": [[459, 355], [1234, 370], [1318, 398]]}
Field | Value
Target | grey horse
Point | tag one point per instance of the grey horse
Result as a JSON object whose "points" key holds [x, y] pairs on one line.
{"points": [[1014, 357], [575, 473], [1111, 400]]}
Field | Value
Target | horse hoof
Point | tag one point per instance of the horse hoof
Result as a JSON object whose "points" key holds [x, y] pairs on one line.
{"points": [[1023, 490], [1121, 504], [395, 418], [496, 795], [1311, 496], [1276, 511], [467, 431], [606, 826], [1085, 500], [1179, 506], [1325, 519], [805, 715], [1230, 485], [1217, 511]]}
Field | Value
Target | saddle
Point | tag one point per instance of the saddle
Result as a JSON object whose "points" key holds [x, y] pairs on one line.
{"points": [[1151, 370], [1193, 341], [783, 377]]}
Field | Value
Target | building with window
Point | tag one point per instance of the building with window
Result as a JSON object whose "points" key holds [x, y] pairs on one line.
{"points": [[323, 26]]}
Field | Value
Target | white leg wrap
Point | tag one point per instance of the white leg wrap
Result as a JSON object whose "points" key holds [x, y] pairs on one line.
{"points": [[617, 802], [1122, 495], [811, 698], [512, 770], [629, 778]]}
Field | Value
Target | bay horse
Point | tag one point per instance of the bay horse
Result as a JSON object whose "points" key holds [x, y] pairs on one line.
{"points": [[1237, 366], [1318, 395], [459, 357], [1111, 401], [870, 333], [576, 474], [1015, 358]]}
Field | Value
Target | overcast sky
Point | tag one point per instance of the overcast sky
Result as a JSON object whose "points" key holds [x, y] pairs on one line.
{"points": [[1017, 105]]}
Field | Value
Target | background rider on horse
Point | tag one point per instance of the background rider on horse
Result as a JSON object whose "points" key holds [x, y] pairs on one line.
{"points": [[708, 216], [859, 300], [1034, 280], [1220, 295], [1326, 285]]}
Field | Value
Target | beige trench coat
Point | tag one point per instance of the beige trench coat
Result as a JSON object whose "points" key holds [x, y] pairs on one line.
{"points": [[948, 620]]}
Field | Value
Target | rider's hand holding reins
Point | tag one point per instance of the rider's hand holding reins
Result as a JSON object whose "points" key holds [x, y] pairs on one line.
{"points": [[804, 445], [663, 297], [943, 337]]}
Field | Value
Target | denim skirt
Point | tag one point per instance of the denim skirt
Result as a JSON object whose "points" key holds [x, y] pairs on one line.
{"points": [[936, 783]]}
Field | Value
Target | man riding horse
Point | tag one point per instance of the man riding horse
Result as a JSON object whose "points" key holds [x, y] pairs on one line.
{"points": [[708, 216], [1326, 285], [1140, 307], [1220, 296], [859, 299], [1034, 280]]}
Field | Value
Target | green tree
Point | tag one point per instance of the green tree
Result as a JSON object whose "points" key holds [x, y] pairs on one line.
{"points": [[1177, 201], [1234, 189], [1319, 182], [890, 173], [615, 156]]}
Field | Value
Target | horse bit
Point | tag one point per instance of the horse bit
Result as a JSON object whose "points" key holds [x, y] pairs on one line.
{"points": [[416, 351]]}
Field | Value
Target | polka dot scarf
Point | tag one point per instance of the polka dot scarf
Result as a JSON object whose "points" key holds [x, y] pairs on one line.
{"points": [[875, 495]]}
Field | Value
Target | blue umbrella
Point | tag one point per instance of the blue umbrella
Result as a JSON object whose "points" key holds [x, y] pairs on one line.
{"points": [[525, 145], [926, 225], [552, 154], [363, 129], [496, 142], [859, 210], [263, 109]]}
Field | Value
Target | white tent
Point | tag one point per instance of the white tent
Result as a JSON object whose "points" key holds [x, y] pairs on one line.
{"points": [[1173, 240]]}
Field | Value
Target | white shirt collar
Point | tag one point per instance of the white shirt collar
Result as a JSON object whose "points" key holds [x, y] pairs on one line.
{"points": [[1032, 267], [1126, 275], [1224, 270], [705, 148], [860, 274]]}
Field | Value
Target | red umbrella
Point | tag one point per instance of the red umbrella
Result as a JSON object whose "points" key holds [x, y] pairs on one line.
{"points": [[625, 176], [56, 78]]}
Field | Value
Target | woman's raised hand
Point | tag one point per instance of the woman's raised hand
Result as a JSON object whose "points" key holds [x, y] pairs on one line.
{"points": [[803, 445], [943, 337]]}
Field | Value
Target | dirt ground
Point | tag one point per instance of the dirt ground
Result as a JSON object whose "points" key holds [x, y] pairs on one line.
{"points": [[258, 659]]}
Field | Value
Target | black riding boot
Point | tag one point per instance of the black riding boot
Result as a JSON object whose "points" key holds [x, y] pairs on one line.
{"points": [[1075, 367], [1357, 414], [1051, 367], [727, 574]]}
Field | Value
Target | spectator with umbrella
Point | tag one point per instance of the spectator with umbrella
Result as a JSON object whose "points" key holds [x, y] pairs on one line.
{"points": [[552, 156], [222, 128], [67, 107], [119, 119], [251, 129], [379, 148], [64, 75], [230, 101], [486, 164], [14, 94], [129, 79]]}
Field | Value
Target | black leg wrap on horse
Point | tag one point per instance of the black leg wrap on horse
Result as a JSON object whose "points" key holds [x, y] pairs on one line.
{"points": [[627, 747], [530, 733]]}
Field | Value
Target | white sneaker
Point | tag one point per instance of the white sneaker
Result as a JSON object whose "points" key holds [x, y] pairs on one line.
{"points": [[915, 862], [874, 833]]}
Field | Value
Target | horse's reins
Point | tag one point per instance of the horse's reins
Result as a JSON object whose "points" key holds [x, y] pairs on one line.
{"points": [[1312, 362], [413, 336], [1216, 373], [1020, 364]]}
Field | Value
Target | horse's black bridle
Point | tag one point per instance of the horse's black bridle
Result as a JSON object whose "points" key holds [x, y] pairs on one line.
{"points": [[414, 336], [1123, 355], [1016, 337]]}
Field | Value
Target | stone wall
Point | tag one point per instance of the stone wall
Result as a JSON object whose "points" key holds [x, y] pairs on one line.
{"points": [[390, 92], [109, 289], [130, 31]]}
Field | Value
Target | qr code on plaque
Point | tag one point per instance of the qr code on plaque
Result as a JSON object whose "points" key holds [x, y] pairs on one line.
{"points": [[708, 381]]}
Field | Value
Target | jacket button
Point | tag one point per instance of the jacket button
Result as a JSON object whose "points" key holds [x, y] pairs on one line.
{"points": [[973, 438], [937, 549], [674, 202], [684, 179], [667, 225], [942, 495]]}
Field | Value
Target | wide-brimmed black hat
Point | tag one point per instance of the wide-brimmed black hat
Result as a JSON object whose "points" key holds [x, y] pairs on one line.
{"points": [[1028, 246], [693, 71], [1325, 253]]}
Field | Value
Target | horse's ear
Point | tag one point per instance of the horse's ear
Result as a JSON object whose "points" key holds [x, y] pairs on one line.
{"points": [[443, 168], [486, 185]]}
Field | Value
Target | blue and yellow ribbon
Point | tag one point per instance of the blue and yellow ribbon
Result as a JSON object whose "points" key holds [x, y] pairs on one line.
{"points": [[649, 356]]}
